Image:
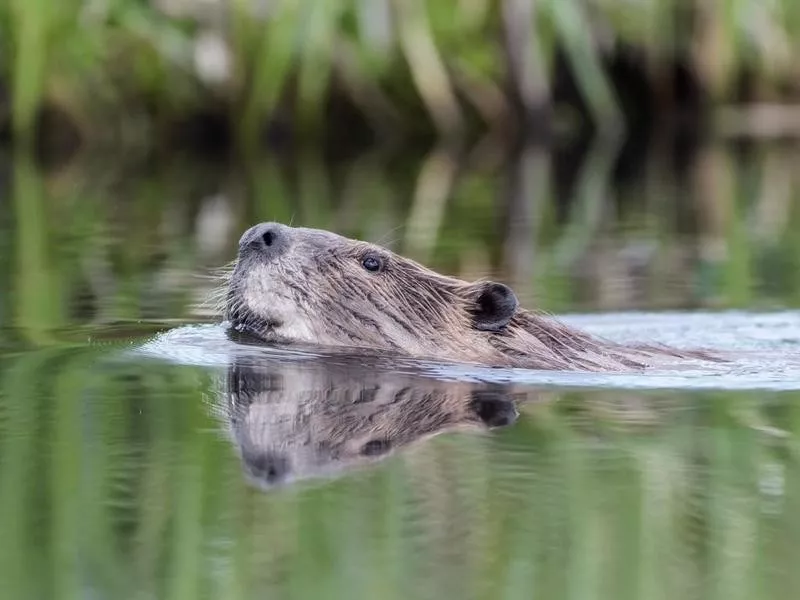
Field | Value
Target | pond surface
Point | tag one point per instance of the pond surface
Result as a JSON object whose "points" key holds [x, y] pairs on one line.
{"points": [[146, 454]]}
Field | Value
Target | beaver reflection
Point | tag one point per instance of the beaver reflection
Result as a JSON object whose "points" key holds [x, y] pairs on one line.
{"points": [[293, 421]]}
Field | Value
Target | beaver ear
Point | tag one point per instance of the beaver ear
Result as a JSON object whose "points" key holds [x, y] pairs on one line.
{"points": [[495, 408], [493, 306]]}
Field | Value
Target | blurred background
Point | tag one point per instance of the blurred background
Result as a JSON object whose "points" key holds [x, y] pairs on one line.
{"points": [[209, 74], [597, 155]]}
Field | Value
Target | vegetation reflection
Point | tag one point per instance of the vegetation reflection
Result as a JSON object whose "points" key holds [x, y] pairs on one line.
{"points": [[125, 484], [96, 247]]}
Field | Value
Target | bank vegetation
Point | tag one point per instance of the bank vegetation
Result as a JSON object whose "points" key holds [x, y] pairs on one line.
{"points": [[141, 73]]}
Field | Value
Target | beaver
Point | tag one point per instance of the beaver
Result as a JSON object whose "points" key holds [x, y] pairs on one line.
{"points": [[295, 421], [294, 284]]}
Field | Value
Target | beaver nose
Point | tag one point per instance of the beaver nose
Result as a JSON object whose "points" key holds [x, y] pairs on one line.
{"points": [[494, 408], [268, 239]]}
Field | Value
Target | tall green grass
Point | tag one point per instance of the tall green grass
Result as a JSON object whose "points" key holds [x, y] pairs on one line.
{"points": [[121, 70]]}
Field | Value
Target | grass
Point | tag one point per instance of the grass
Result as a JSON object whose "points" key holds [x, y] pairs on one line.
{"points": [[429, 66]]}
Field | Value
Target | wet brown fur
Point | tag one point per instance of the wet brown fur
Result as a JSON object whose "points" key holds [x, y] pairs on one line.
{"points": [[320, 293]]}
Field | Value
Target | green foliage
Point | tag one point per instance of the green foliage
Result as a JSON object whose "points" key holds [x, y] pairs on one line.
{"points": [[391, 59]]}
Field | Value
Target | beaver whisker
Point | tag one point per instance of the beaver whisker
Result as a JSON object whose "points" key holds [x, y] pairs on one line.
{"points": [[215, 299], [223, 273], [382, 241], [243, 320]]}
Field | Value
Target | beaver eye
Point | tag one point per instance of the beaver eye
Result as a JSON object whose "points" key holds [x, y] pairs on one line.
{"points": [[371, 263]]}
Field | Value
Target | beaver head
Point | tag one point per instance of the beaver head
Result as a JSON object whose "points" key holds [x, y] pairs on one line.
{"points": [[308, 285], [297, 284]]}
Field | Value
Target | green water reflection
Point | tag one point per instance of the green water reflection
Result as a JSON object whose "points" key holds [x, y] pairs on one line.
{"points": [[118, 481]]}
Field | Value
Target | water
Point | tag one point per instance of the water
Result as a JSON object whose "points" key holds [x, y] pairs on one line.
{"points": [[144, 454]]}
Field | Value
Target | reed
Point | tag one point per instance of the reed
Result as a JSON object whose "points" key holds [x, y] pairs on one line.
{"points": [[125, 70]]}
